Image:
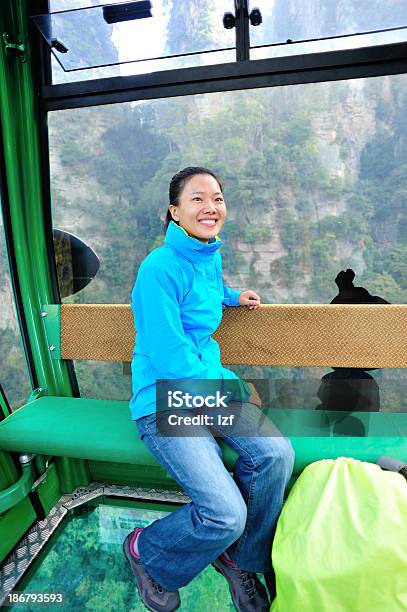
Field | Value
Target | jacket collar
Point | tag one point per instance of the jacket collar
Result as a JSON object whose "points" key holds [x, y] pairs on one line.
{"points": [[191, 248]]}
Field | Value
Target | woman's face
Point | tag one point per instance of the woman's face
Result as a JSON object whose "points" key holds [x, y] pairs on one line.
{"points": [[201, 210]]}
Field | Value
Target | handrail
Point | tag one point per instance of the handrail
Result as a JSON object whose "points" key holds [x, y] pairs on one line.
{"points": [[306, 335], [19, 490]]}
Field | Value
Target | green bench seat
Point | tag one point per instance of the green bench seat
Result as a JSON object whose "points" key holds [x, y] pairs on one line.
{"points": [[102, 430]]}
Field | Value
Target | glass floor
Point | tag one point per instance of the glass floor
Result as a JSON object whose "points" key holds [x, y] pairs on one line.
{"points": [[85, 562]]}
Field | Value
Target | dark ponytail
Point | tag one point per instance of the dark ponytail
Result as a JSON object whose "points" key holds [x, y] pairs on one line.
{"points": [[177, 184]]}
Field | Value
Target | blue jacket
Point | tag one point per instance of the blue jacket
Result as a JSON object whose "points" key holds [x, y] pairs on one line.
{"points": [[177, 303]]}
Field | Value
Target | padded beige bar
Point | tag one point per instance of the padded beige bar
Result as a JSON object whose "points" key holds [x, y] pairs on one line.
{"points": [[357, 336], [101, 332]]}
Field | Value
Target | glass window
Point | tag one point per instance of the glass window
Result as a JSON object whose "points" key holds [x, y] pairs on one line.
{"points": [[13, 371], [324, 26], [314, 175], [174, 28], [309, 21], [315, 183], [85, 563]]}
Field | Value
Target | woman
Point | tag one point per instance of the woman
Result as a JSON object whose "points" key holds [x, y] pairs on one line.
{"points": [[177, 303]]}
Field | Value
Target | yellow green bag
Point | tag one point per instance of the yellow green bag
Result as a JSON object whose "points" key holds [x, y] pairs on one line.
{"points": [[341, 540]]}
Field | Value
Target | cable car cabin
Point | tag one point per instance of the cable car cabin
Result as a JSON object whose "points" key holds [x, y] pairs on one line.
{"points": [[303, 114]]}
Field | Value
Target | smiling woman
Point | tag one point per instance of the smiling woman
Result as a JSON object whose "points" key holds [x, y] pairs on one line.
{"points": [[179, 293], [177, 303]]}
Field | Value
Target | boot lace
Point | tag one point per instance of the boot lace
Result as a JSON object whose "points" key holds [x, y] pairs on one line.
{"points": [[157, 587], [248, 582]]}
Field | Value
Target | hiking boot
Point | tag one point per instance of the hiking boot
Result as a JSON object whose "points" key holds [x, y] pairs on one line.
{"points": [[152, 594], [247, 592]]}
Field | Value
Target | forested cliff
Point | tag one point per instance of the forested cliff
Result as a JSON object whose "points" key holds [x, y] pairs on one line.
{"points": [[315, 175]]}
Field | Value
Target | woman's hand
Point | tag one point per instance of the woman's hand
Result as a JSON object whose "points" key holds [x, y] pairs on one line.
{"points": [[249, 298], [254, 398]]}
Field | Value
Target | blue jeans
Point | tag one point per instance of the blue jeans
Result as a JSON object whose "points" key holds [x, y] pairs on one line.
{"points": [[235, 514]]}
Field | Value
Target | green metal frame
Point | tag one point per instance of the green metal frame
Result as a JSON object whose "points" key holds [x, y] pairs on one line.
{"points": [[14, 524], [4, 405], [14, 494], [51, 316], [8, 470], [19, 114], [29, 252]]}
